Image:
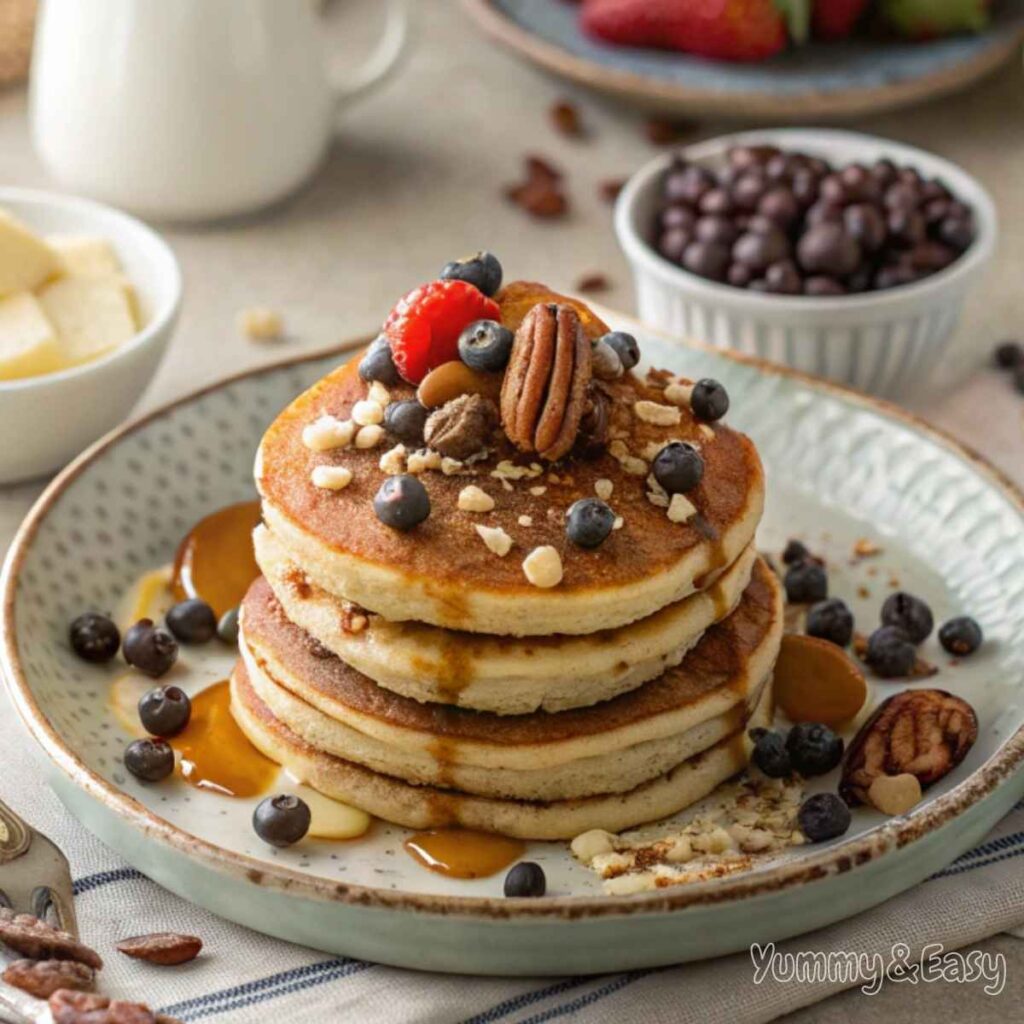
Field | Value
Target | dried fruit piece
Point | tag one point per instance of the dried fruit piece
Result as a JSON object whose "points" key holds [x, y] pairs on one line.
{"points": [[164, 948], [517, 298], [41, 978], [544, 394], [815, 681], [69, 1007], [36, 939], [925, 733]]}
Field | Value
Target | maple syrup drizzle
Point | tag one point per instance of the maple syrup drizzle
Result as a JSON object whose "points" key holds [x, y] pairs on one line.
{"points": [[215, 561], [216, 754], [463, 853]]}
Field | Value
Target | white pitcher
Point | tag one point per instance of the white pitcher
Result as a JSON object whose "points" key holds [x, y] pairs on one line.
{"points": [[192, 109]]}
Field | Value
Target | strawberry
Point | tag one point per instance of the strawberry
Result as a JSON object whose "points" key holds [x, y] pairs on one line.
{"points": [[738, 30], [926, 19], [425, 325], [836, 19]]}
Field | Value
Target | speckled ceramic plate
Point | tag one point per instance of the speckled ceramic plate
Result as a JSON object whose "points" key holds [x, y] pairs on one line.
{"points": [[817, 80], [839, 467]]}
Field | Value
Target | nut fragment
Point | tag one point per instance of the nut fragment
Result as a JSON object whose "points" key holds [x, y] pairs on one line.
{"points": [[475, 499], [449, 380], [925, 733], [894, 794], [328, 432], [36, 939], [681, 509], [260, 323], [164, 948], [331, 478], [544, 394], [367, 412], [656, 413], [543, 567], [496, 539], [462, 427], [41, 978], [603, 488], [370, 436], [69, 1007]]}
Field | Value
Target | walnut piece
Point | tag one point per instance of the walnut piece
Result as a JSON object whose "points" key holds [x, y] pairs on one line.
{"points": [[462, 427]]}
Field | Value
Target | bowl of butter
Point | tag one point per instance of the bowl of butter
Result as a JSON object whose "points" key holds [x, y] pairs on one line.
{"points": [[88, 300]]}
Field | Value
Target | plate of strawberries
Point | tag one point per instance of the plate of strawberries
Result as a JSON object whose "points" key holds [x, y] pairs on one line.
{"points": [[781, 59]]}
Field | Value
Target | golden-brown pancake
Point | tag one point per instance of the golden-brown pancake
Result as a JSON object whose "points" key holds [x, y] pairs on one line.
{"points": [[411, 738], [422, 807], [441, 572], [502, 674]]}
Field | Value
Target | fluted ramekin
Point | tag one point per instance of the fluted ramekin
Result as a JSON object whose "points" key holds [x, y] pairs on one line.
{"points": [[881, 342]]}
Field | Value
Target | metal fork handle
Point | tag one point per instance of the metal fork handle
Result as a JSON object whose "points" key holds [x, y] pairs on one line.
{"points": [[15, 835]]}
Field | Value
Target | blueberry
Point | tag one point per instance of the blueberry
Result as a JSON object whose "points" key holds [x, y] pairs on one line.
{"points": [[588, 522], [378, 365], [806, 582], [227, 627], [149, 760], [909, 614], [164, 710], [406, 420], [402, 502], [890, 653], [770, 754], [525, 879], [813, 748], [192, 621], [1009, 355], [625, 345], [281, 820], [795, 551], [150, 649], [960, 636], [94, 637], [831, 620], [678, 467], [823, 816], [483, 271], [709, 400], [486, 345]]}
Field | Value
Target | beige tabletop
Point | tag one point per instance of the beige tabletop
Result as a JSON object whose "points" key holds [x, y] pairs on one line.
{"points": [[416, 178]]}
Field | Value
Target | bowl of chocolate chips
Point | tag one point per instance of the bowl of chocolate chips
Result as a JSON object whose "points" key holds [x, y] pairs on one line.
{"points": [[836, 253]]}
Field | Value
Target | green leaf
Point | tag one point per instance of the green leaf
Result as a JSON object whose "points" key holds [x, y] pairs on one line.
{"points": [[797, 14]]}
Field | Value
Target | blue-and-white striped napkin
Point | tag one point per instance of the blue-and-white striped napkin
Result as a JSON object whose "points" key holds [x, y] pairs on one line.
{"points": [[243, 976]]}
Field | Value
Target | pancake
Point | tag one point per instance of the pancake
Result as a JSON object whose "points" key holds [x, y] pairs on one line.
{"points": [[422, 807], [442, 573], [503, 675], [715, 677]]}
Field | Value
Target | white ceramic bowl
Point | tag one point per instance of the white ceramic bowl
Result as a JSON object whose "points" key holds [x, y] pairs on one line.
{"points": [[882, 342], [47, 420]]}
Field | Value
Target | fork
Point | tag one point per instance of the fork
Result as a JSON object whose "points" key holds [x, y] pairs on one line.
{"points": [[34, 879]]}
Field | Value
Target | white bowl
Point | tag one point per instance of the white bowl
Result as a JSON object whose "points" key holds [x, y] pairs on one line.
{"points": [[47, 420], [881, 342]]}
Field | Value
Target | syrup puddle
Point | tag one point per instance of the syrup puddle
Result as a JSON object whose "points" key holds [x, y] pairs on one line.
{"points": [[462, 853]]}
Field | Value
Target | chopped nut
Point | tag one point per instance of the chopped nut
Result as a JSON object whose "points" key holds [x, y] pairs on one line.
{"points": [[603, 488], [260, 323], [506, 470], [679, 394], [421, 461], [37, 940], [392, 461], [164, 948], [378, 393], [525, 520], [331, 478], [369, 436], [543, 567], [327, 433], [894, 794], [565, 116], [866, 548], [627, 885], [541, 193], [706, 431], [366, 413], [659, 415], [462, 427], [496, 539], [593, 282], [68, 1007], [474, 499], [41, 978], [537, 491], [353, 618], [619, 523], [587, 846], [681, 509]]}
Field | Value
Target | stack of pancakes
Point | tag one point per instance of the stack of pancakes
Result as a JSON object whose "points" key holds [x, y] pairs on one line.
{"points": [[422, 677]]}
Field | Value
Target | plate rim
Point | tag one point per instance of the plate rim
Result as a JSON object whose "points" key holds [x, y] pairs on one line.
{"points": [[498, 26], [888, 837]]}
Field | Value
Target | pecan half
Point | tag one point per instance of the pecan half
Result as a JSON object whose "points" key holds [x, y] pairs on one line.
{"points": [[544, 394], [462, 427], [85, 1008], [164, 948], [925, 733], [36, 939], [41, 978]]}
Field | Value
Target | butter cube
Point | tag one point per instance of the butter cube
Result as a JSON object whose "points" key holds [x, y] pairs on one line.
{"points": [[28, 342], [83, 256], [91, 315], [26, 261]]}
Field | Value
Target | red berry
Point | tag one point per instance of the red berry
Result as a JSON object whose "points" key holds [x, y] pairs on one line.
{"points": [[425, 325]]}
